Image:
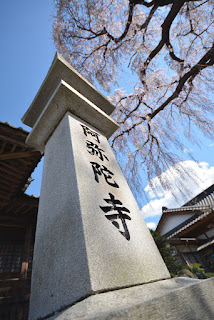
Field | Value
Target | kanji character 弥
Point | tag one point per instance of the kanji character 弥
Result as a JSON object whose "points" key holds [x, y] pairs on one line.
{"points": [[94, 149]]}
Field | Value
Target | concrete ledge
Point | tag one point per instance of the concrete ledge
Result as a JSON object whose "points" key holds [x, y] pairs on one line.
{"points": [[173, 299]]}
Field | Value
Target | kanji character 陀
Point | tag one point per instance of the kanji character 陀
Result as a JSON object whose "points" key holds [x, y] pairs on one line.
{"points": [[102, 170]]}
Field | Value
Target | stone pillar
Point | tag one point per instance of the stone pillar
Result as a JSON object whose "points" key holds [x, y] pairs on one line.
{"points": [[90, 235]]}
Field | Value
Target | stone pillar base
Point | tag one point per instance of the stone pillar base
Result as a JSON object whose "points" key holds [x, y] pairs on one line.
{"points": [[173, 299]]}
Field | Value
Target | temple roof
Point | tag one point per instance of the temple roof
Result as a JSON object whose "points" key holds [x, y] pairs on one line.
{"points": [[17, 162], [205, 198], [202, 218]]}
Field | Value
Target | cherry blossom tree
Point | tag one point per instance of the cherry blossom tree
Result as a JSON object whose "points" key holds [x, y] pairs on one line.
{"points": [[167, 46]]}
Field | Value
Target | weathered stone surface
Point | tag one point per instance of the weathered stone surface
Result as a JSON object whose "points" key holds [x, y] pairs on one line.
{"points": [[65, 98], [174, 299], [62, 70], [90, 234], [79, 250]]}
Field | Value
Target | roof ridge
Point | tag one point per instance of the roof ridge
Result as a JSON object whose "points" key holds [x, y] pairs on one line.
{"points": [[8, 124], [201, 196]]}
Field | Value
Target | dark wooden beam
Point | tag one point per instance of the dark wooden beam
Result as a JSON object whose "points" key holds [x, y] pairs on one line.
{"points": [[15, 155], [176, 241], [12, 140], [3, 146], [4, 194], [12, 180], [17, 220], [13, 148], [8, 171], [25, 210], [12, 168], [5, 181]]}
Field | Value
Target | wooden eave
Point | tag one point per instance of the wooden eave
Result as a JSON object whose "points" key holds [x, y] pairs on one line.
{"points": [[209, 243], [182, 241], [179, 211], [201, 203], [198, 228], [17, 162], [21, 205]]}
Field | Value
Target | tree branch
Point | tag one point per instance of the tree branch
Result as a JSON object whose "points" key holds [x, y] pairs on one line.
{"points": [[206, 61], [128, 23], [165, 37]]}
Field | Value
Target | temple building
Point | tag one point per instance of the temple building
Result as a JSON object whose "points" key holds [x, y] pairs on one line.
{"points": [[190, 229], [18, 214]]}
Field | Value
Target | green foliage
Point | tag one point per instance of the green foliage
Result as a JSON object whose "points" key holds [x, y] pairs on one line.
{"points": [[175, 268], [195, 267], [209, 274], [200, 272], [167, 253], [197, 270]]}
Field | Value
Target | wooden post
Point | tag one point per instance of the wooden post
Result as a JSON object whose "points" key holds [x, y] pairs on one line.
{"points": [[20, 306], [26, 252]]}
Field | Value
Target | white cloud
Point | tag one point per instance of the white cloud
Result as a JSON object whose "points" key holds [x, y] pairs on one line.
{"points": [[211, 144], [204, 177], [154, 207], [151, 225]]}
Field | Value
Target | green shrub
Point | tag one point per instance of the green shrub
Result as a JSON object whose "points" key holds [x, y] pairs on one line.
{"points": [[166, 252], [209, 274], [197, 270]]}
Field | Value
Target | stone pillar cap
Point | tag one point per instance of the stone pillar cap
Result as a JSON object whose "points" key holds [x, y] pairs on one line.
{"points": [[62, 70], [67, 99]]}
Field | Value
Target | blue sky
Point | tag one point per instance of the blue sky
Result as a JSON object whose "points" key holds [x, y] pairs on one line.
{"points": [[27, 51], [26, 54]]}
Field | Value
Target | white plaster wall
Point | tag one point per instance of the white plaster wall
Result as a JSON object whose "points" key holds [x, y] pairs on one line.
{"points": [[172, 221]]}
